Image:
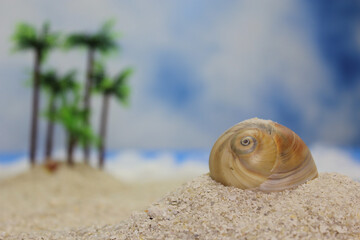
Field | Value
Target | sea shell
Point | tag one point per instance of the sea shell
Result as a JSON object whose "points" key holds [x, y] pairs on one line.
{"points": [[261, 155]]}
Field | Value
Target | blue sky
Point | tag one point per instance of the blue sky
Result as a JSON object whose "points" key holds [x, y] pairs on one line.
{"points": [[201, 67]]}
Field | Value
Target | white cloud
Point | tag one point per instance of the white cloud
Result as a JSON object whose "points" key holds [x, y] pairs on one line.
{"points": [[131, 166], [259, 50]]}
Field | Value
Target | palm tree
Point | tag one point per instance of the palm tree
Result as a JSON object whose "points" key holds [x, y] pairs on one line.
{"points": [[41, 41], [71, 117], [108, 87], [56, 86], [102, 41]]}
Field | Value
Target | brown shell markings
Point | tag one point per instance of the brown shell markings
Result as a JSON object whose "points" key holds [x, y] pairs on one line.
{"points": [[261, 155]]}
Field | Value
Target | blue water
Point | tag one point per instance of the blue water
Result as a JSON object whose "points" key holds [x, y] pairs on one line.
{"points": [[7, 158], [180, 156]]}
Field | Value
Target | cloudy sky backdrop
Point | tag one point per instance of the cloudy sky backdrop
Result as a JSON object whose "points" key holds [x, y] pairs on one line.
{"points": [[201, 67]]}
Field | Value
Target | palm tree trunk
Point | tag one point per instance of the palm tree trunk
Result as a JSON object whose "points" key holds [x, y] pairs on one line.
{"points": [[50, 130], [70, 150], [103, 124], [35, 109], [87, 97]]}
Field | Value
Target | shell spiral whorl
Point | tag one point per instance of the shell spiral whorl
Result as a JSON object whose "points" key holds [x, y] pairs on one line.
{"points": [[262, 155]]}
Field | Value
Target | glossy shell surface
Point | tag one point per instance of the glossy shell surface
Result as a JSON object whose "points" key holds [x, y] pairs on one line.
{"points": [[261, 155]]}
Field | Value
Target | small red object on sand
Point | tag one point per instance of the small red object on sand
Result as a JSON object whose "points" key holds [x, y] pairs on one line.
{"points": [[51, 166]]}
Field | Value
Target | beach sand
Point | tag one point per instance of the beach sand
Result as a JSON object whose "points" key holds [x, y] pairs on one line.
{"points": [[80, 196], [37, 206]]}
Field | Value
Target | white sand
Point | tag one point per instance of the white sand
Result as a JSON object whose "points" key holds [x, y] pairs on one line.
{"points": [[325, 208], [76, 197]]}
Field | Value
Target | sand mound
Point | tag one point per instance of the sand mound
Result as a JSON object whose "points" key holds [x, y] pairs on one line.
{"points": [[81, 196], [325, 208]]}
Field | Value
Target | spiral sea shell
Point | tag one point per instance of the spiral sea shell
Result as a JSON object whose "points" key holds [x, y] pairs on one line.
{"points": [[262, 155]]}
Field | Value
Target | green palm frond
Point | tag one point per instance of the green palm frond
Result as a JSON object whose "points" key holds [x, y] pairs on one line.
{"points": [[108, 26], [49, 80], [86, 135], [106, 37], [104, 43], [71, 117], [70, 92], [116, 86], [68, 81], [99, 75], [24, 37], [120, 87], [122, 94], [47, 39], [27, 37], [78, 40], [123, 76], [103, 40]]}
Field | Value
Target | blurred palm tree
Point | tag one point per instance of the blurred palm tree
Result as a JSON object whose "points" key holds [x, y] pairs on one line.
{"points": [[40, 42], [102, 41], [71, 117], [56, 86], [109, 87]]}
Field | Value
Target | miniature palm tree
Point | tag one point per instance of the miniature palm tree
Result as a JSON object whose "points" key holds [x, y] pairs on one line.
{"points": [[102, 41], [55, 86], [41, 41], [108, 87], [71, 117]]}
